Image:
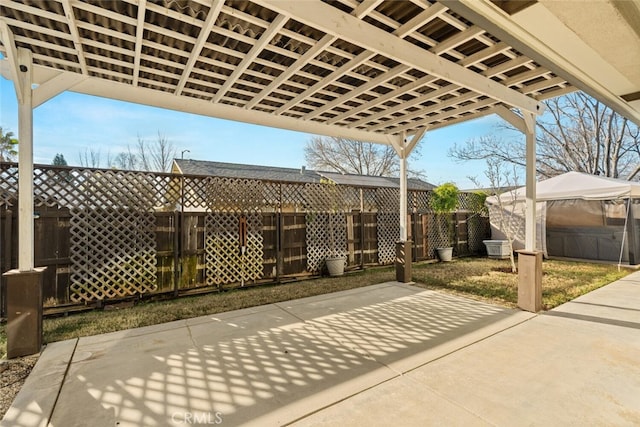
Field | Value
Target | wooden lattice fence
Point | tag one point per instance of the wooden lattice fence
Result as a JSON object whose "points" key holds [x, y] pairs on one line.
{"points": [[110, 234]]}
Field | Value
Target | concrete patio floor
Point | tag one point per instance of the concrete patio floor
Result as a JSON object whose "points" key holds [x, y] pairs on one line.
{"points": [[385, 354]]}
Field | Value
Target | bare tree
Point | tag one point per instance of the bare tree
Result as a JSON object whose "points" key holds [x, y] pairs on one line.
{"points": [[576, 133], [156, 156], [148, 156], [505, 213], [90, 158], [351, 156], [125, 160]]}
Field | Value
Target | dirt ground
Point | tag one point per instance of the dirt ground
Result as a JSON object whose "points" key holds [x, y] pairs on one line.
{"points": [[13, 374]]}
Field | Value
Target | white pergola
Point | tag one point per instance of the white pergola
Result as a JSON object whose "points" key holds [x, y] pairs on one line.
{"points": [[373, 70]]}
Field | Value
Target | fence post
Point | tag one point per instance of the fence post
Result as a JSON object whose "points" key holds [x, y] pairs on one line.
{"points": [[176, 252], [279, 239], [5, 258], [415, 217], [8, 228], [362, 240]]}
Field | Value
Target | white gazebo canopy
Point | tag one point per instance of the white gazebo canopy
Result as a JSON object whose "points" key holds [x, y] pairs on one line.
{"points": [[373, 70]]}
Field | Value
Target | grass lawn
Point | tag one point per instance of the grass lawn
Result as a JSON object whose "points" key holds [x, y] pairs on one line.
{"points": [[492, 280], [481, 278]]}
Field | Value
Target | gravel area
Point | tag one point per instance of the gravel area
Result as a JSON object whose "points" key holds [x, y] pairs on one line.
{"points": [[13, 374]]}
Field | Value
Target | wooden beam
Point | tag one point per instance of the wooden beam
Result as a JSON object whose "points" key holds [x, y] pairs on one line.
{"points": [[431, 96], [383, 77], [446, 114], [139, 38], [73, 29], [214, 11], [409, 87], [264, 39], [12, 57], [354, 62], [47, 90], [139, 95], [291, 70], [331, 20]]}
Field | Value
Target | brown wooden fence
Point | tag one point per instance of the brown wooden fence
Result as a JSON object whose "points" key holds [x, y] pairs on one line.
{"points": [[106, 235]]}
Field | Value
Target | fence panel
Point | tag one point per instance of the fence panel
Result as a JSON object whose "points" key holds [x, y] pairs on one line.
{"points": [[166, 250], [108, 234], [294, 248]]}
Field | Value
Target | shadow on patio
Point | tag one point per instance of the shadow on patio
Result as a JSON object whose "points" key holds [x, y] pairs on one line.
{"points": [[268, 365]]}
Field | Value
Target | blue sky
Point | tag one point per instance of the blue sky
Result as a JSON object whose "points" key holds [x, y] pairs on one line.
{"points": [[71, 123]]}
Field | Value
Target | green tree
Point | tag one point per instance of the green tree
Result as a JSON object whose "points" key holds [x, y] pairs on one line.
{"points": [[443, 202], [59, 160], [8, 146]]}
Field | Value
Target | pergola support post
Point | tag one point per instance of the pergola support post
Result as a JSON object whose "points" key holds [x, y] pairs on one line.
{"points": [[403, 147], [530, 259], [24, 285], [25, 163]]}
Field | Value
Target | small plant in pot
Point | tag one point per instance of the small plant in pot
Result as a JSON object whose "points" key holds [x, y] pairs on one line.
{"points": [[335, 260], [444, 201]]}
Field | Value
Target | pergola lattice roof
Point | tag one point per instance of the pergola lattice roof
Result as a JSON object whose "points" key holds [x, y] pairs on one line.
{"points": [[364, 69]]}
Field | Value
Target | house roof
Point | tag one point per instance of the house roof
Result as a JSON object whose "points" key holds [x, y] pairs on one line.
{"points": [[236, 170], [302, 175], [375, 181]]}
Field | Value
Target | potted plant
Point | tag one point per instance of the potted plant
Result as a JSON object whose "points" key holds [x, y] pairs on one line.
{"points": [[335, 260], [444, 202]]}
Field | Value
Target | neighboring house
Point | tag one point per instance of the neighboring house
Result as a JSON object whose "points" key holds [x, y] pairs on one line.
{"points": [[293, 200], [234, 170], [302, 175]]}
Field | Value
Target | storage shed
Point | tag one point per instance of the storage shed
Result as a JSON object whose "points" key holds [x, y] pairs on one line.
{"points": [[578, 216]]}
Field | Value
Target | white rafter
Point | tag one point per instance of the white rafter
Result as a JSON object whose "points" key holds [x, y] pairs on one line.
{"points": [[431, 96], [420, 20], [446, 115], [214, 11], [352, 63], [264, 39], [384, 77], [484, 54], [365, 7], [73, 29], [36, 28], [334, 21], [455, 41], [381, 99], [425, 110], [291, 70], [139, 38]]}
